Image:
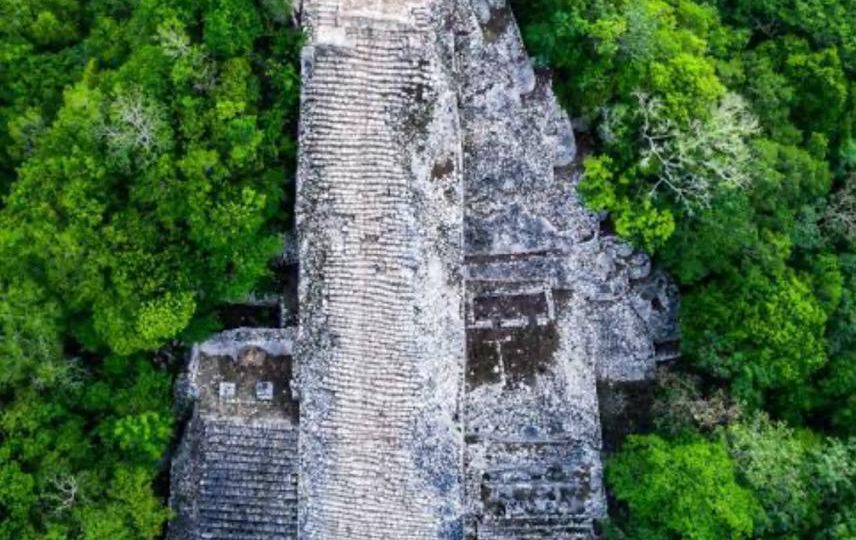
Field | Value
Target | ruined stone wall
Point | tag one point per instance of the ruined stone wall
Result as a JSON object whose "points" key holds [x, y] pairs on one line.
{"points": [[553, 305], [531, 414], [379, 216]]}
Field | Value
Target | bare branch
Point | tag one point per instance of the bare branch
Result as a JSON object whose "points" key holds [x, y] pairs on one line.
{"points": [[840, 215], [693, 163], [137, 131], [65, 493]]}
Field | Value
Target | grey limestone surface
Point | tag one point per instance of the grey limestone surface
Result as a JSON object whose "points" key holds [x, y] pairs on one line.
{"points": [[381, 336], [552, 304]]}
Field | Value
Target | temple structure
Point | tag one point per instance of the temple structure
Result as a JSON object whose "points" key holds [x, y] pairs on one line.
{"points": [[236, 472], [457, 305]]}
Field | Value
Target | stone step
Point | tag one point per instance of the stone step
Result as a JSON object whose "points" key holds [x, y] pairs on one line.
{"points": [[282, 515], [569, 528]]}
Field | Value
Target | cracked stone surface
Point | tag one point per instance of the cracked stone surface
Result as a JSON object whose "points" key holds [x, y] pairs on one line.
{"points": [[458, 306]]}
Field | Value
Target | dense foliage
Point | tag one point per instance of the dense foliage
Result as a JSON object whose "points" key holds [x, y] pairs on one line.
{"points": [[725, 144], [690, 490], [144, 152], [144, 147]]}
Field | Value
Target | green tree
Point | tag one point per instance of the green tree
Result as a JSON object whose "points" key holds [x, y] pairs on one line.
{"points": [[684, 490], [144, 152], [775, 464], [761, 332], [764, 262]]}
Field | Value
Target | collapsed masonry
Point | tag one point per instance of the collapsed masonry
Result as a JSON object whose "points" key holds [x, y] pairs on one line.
{"points": [[458, 306]]}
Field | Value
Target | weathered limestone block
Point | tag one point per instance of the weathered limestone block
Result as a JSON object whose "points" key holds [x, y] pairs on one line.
{"points": [[531, 413]]}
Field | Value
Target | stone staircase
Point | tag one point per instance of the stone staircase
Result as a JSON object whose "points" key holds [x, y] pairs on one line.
{"points": [[367, 246], [458, 305], [544, 496], [376, 14], [546, 529], [247, 481]]}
